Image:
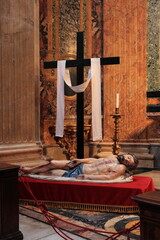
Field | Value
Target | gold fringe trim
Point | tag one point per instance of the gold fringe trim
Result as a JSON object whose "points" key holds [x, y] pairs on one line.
{"points": [[84, 206]]}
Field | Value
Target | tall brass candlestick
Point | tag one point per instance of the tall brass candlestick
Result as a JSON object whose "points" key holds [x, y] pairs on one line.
{"points": [[115, 145]]}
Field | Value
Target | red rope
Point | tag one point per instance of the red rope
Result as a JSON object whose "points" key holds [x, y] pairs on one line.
{"points": [[124, 232], [45, 213], [51, 221]]}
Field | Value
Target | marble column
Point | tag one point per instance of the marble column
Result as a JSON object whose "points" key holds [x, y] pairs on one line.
{"points": [[19, 81]]}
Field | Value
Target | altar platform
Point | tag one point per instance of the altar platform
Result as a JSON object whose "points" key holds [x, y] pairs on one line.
{"points": [[154, 174], [111, 197]]}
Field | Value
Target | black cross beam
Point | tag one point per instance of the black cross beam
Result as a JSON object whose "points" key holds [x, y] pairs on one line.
{"points": [[80, 63]]}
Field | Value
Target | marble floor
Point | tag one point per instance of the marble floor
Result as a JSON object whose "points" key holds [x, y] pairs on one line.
{"points": [[34, 230]]}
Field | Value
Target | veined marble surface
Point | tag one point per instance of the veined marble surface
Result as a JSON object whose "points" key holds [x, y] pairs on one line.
{"points": [[34, 230]]}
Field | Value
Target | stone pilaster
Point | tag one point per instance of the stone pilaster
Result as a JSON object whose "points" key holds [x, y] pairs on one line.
{"points": [[19, 82]]}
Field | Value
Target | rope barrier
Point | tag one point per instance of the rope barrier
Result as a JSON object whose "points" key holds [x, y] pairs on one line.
{"points": [[44, 211], [52, 222]]}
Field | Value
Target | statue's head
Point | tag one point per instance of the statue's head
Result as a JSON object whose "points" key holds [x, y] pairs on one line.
{"points": [[129, 160]]}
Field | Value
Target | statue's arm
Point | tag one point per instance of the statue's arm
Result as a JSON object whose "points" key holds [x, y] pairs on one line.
{"points": [[75, 162], [86, 160]]}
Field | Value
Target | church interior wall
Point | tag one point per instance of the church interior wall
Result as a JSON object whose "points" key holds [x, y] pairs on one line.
{"points": [[125, 36], [112, 28]]}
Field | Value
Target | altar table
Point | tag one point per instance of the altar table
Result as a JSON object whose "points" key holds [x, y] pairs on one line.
{"points": [[111, 197], [149, 204]]}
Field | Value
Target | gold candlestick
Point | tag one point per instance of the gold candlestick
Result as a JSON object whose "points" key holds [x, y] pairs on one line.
{"points": [[115, 145]]}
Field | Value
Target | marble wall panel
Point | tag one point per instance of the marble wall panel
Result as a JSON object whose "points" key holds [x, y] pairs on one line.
{"points": [[153, 46], [17, 72], [19, 83], [125, 36]]}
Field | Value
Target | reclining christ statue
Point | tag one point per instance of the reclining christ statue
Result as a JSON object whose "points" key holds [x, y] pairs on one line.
{"points": [[108, 168]]}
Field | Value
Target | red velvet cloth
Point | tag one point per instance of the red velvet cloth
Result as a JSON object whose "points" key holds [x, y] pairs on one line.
{"points": [[92, 193]]}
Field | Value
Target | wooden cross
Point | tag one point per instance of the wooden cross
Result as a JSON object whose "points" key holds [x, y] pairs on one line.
{"points": [[80, 63]]}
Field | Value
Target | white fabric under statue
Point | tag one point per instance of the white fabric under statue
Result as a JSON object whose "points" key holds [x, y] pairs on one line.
{"points": [[121, 179], [95, 75]]}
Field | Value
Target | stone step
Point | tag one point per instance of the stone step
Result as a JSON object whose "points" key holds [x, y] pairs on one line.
{"points": [[145, 156], [146, 160], [125, 146], [126, 149], [140, 156], [132, 150], [146, 163]]}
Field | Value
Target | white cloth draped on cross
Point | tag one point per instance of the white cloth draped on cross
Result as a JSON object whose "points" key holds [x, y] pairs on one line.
{"points": [[94, 75]]}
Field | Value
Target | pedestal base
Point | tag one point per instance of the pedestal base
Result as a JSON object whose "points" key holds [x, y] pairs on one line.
{"points": [[13, 236], [9, 210]]}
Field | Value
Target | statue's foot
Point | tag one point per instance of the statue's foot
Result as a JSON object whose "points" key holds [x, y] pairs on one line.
{"points": [[24, 170]]}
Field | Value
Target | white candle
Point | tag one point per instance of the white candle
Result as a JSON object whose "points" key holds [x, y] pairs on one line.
{"points": [[117, 100]]}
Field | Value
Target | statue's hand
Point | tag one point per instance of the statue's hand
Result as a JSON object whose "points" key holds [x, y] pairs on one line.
{"points": [[130, 178], [73, 163]]}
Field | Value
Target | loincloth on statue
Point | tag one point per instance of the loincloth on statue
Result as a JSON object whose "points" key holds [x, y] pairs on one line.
{"points": [[74, 172]]}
